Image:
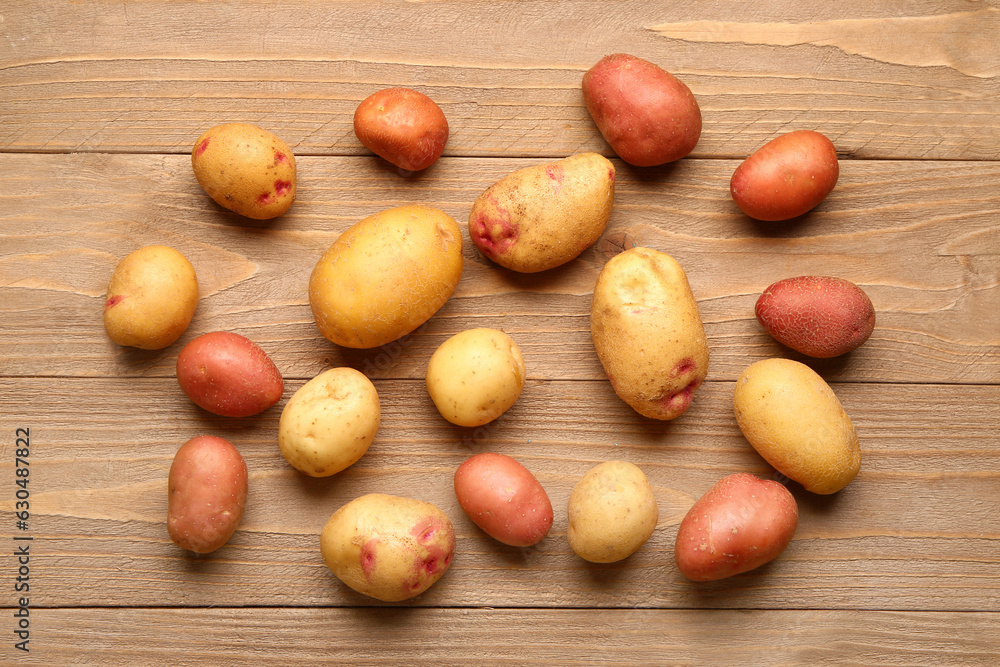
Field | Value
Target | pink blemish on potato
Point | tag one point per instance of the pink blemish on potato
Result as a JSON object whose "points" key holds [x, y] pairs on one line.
{"points": [[679, 401], [686, 366], [113, 301], [425, 530], [494, 236], [611, 175], [282, 187], [367, 558], [279, 157], [202, 146], [264, 199]]}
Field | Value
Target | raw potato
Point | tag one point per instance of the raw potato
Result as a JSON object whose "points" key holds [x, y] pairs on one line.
{"points": [[207, 492], [246, 169], [151, 298], [648, 333], [402, 126], [646, 114], [612, 512], [475, 376], [386, 275], [741, 523], [795, 421], [330, 422], [387, 547], [541, 217]]}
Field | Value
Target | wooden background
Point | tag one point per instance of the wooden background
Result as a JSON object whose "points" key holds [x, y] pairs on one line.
{"points": [[100, 104]]}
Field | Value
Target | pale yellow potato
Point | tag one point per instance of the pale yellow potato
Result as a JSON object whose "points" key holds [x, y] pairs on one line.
{"points": [[386, 275], [388, 547], [475, 376], [151, 298], [329, 423], [794, 420], [612, 512]]}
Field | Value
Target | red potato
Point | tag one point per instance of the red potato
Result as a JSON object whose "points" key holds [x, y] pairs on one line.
{"points": [[228, 375], [503, 498], [207, 492], [402, 126], [786, 177], [741, 523], [647, 115], [818, 316]]}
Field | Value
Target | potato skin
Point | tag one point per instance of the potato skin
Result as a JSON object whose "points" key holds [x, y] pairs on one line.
{"points": [[207, 493], [648, 116], [330, 422], [151, 298], [228, 375], [612, 512], [504, 499], [794, 420], [739, 524], [819, 316], [386, 275], [786, 177], [648, 333], [541, 217], [402, 126], [245, 169], [388, 547]]}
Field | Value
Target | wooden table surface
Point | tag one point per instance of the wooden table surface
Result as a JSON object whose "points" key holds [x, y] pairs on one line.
{"points": [[100, 104]]}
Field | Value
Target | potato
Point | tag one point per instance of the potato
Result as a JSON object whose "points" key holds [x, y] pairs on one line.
{"points": [[541, 217], [647, 115], [648, 334], [246, 169], [229, 375], [612, 512], [402, 126], [475, 376], [786, 177], [330, 422], [741, 523], [503, 498], [386, 275], [795, 421], [207, 492], [151, 298], [387, 547], [818, 316]]}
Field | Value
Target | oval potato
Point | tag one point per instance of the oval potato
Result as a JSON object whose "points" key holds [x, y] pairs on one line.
{"points": [[402, 126]]}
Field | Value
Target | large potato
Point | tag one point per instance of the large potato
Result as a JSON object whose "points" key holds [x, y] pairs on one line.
{"points": [[387, 547], [386, 275], [540, 217], [794, 420], [647, 115], [648, 333], [402, 126], [151, 298]]}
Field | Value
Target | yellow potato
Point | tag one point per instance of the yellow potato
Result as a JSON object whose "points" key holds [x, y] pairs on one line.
{"points": [[794, 420], [329, 423], [475, 376], [386, 275], [151, 298]]}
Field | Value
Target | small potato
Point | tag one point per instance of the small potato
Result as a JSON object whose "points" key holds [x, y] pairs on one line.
{"points": [[795, 421], [818, 316], [647, 115], [229, 375], [402, 126], [786, 177], [329, 423], [246, 169], [475, 376], [741, 523], [612, 512], [541, 217], [151, 298], [503, 498], [387, 547], [386, 275], [207, 492]]}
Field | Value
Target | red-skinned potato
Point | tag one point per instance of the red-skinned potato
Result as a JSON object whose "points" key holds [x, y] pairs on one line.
{"points": [[503, 498], [741, 523], [228, 375], [402, 126], [819, 316], [786, 177]]}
